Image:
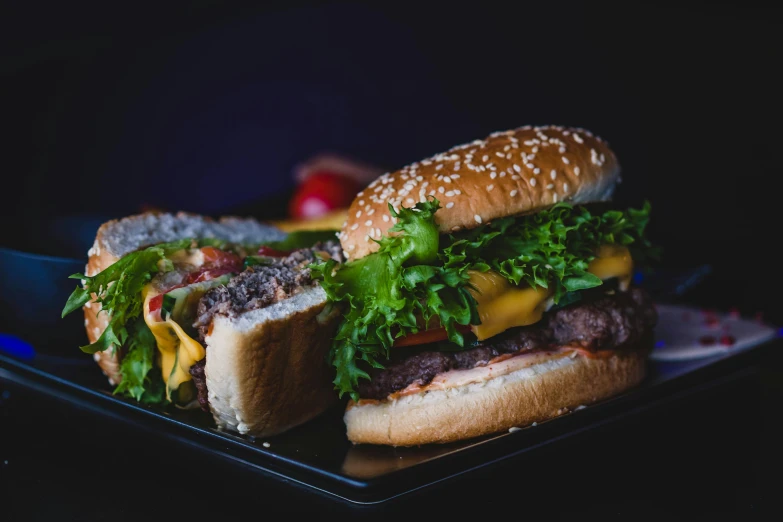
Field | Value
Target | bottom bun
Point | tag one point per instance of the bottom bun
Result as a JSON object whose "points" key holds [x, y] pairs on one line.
{"points": [[532, 394]]}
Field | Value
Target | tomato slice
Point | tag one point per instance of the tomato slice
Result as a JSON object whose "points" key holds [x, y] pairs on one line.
{"points": [[271, 252], [432, 335], [205, 274], [156, 303], [216, 258]]}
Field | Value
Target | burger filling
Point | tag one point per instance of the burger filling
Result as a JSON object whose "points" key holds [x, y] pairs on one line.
{"points": [[601, 321], [161, 300], [427, 303]]}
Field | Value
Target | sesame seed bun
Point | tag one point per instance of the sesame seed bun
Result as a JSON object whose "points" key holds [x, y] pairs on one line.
{"points": [[509, 173]]}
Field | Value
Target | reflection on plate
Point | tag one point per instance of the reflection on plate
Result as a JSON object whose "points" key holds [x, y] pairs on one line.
{"points": [[685, 333]]}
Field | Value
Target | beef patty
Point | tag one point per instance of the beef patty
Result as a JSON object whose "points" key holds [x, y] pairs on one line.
{"points": [[257, 287], [617, 321]]}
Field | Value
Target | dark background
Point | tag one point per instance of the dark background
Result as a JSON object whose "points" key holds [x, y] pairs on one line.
{"points": [[207, 106]]}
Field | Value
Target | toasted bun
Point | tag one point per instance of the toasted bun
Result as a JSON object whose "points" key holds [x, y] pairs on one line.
{"points": [[267, 370], [509, 173], [117, 238], [532, 394]]}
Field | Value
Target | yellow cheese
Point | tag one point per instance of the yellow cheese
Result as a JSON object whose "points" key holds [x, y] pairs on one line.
{"points": [[178, 351], [613, 261], [502, 305]]}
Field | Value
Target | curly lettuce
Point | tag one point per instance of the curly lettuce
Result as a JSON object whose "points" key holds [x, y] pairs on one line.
{"points": [[418, 275], [118, 291]]}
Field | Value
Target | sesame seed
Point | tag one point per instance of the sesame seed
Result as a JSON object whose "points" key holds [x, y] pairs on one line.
{"points": [[368, 223], [457, 192], [561, 149], [477, 218], [530, 165], [554, 198], [493, 175], [536, 170], [440, 166], [517, 168], [576, 171], [565, 160], [484, 158], [455, 176], [553, 174], [565, 188], [360, 194], [378, 230], [447, 179], [366, 238], [578, 138], [354, 226], [450, 194], [550, 186], [594, 157], [410, 201], [500, 155], [359, 214], [441, 190], [490, 187], [371, 212], [449, 204], [361, 202], [532, 182], [514, 192]]}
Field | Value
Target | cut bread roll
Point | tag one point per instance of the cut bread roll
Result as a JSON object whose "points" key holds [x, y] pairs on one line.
{"points": [[266, 369]]}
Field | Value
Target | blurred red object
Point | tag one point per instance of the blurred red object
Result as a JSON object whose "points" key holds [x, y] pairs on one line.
{"points": [[321, 192], [328, 182]]}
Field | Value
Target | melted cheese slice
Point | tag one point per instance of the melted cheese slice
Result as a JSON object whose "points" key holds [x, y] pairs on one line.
{"points": [[613, 261], [502, 305], [178, 351]]}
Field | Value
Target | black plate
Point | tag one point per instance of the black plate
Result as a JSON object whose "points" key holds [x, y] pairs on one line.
{"points": [[317, 455]]}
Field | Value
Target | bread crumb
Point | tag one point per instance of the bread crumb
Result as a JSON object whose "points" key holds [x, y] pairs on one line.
{"points": [[266, 444]]}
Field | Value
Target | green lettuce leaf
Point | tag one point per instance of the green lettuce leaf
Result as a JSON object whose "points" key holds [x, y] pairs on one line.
{"points": [[118, 290], [417, 275], [393, 292], [119, 293], [138, 379]]}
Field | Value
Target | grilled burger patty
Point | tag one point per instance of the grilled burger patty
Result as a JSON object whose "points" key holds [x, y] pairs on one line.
{"points": [[599, 321], [257, 287]]}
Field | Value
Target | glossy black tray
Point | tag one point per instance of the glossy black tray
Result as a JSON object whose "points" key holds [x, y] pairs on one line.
{"points": [[318, 456]]}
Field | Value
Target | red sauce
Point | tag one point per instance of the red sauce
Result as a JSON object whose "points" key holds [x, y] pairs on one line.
{"points": [[712, 321], [727, 340]]}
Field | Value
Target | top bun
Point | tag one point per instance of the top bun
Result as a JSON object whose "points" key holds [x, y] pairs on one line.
{"points": [[509, 173]]}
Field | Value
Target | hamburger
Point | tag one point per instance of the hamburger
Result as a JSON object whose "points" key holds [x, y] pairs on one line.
{"points": [[185, 311], [488, 287]]}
